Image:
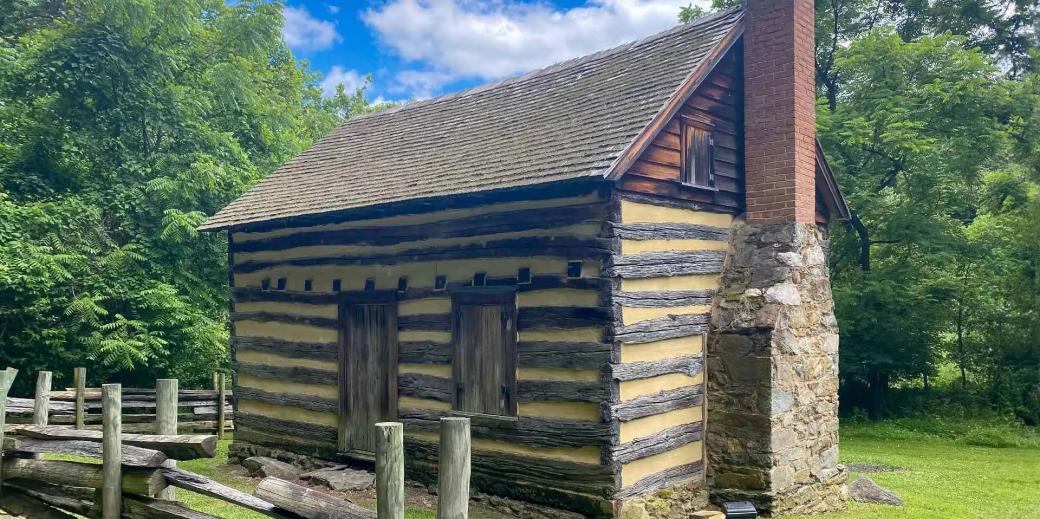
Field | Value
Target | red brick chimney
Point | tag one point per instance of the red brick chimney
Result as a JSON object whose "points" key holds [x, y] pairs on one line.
{"points": [[779, 111]]}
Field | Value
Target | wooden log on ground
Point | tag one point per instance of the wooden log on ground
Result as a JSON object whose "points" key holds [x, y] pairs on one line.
{"points": [[308, 503], [112, 452], [75, 500], [140, 507], [177, 447], [132, 456], [166, 420], [18, 503], [136, 480], [7, 377], [207, 487], [79, 378], [453, 469], [390, 470]]}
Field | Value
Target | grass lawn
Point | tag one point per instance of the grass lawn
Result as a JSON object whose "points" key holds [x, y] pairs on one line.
{"points": [[953, 470]]}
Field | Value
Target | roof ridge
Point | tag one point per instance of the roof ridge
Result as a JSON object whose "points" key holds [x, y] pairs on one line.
{"points": [[697, 23]]}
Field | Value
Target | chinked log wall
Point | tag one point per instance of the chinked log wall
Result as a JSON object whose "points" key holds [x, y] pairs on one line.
{"points": [[666, 265], [559, 450]]}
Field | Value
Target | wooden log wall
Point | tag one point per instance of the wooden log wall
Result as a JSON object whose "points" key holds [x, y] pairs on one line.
{"points": [[666, 269], [285, 341]]}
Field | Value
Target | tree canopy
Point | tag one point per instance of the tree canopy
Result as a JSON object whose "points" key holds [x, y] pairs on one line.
{"points": [[123, 123]]}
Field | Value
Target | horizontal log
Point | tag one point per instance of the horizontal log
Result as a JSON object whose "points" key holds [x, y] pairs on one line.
{"points": [[26, 503], [572, 248], [667, 264], [140, 507], [657, 403], [657, 443], [288, 373], [259, 295], [664, 479], [676, 202], [664, 299], [429, 387], [691, 366], [562, 391], [295, 444], [568, 355], [473, 226], [668, 327], [423, 352], [542, 432], [292, 429], [138, 395], [597, 480], [136, 480], [310, 402], [276, 317], [668, 231], [294, 349], [207, 487], [308, 503], [178, 447], [542, 318], [427, 322], [132, 456]]}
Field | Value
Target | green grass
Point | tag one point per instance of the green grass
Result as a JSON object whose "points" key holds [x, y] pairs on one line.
{"points": [[955, 469]]}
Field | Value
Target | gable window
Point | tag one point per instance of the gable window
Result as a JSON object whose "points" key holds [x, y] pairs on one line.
{"points": [[697, 150], [484, 353]]}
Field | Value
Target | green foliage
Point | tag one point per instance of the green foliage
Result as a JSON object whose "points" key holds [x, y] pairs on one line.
{"points": [[122, 124]]}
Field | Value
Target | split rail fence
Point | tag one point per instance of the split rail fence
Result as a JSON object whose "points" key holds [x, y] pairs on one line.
{"points": [[137, 473], [198, 411]]}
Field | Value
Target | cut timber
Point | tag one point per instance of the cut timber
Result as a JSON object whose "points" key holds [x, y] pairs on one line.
{"points": [[18, 503], [136, 480], [207, 487], [132, 456], [140, 507], [178, 447], [308, 503]]}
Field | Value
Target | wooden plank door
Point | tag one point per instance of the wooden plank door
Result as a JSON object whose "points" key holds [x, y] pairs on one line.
{"points": [[368, 372], [484, 358]]}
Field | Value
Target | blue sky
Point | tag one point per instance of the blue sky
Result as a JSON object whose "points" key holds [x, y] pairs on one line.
{"points": [[415, 49]]}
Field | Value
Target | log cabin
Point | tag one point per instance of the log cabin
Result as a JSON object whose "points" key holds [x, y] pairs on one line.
{"points": [[615, 266]]}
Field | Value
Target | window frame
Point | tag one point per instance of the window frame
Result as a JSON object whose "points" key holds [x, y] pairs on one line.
{"points": [[506, 296], [688, 125]]}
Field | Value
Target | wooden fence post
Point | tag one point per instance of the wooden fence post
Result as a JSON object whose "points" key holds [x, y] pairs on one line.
{"points": [[6, 379], [42, 403], [112, 451], [389, 470], [221, 396], [79, 380], [453, 469], [166, 421]]}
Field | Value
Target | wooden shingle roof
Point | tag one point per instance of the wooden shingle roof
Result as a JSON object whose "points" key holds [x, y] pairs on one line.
{"points": [[568, 121]]}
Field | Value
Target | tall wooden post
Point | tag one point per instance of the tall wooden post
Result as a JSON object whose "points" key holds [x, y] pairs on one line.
{"points": [[6, 379], [112, 451], [453, 469], [42, 403], [389, 470], [216, 383], [221, 397], [79, 380], [166, 421]]}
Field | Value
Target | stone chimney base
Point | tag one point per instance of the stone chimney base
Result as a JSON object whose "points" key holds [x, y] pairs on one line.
{"points": [[772, 374]]}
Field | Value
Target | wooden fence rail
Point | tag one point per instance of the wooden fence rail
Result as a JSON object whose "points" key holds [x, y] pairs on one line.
{"points": [[136, 476]]}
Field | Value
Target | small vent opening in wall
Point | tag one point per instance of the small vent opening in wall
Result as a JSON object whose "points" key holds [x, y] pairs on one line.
{"points": [[574, 269], [402, 283], [337, 285], [370, 285], [440, 283], [523, 276], [265, 284], [308, 285], [479, 279], [281, 283]]}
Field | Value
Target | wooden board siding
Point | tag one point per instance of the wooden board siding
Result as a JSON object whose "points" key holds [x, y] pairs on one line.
{"points": [[667, 263], [719, 100], [286, 340]]}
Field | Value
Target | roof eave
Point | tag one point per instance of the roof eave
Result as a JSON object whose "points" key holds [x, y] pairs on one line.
{"points": [[827, 183]]}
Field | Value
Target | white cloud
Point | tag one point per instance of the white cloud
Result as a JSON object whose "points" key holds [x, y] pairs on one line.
{"points": [[458, 39], [333, 8], [302, 31], [350, 79]]}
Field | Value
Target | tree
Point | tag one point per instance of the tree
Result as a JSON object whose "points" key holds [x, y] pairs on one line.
{"points": [[123, 123]]}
